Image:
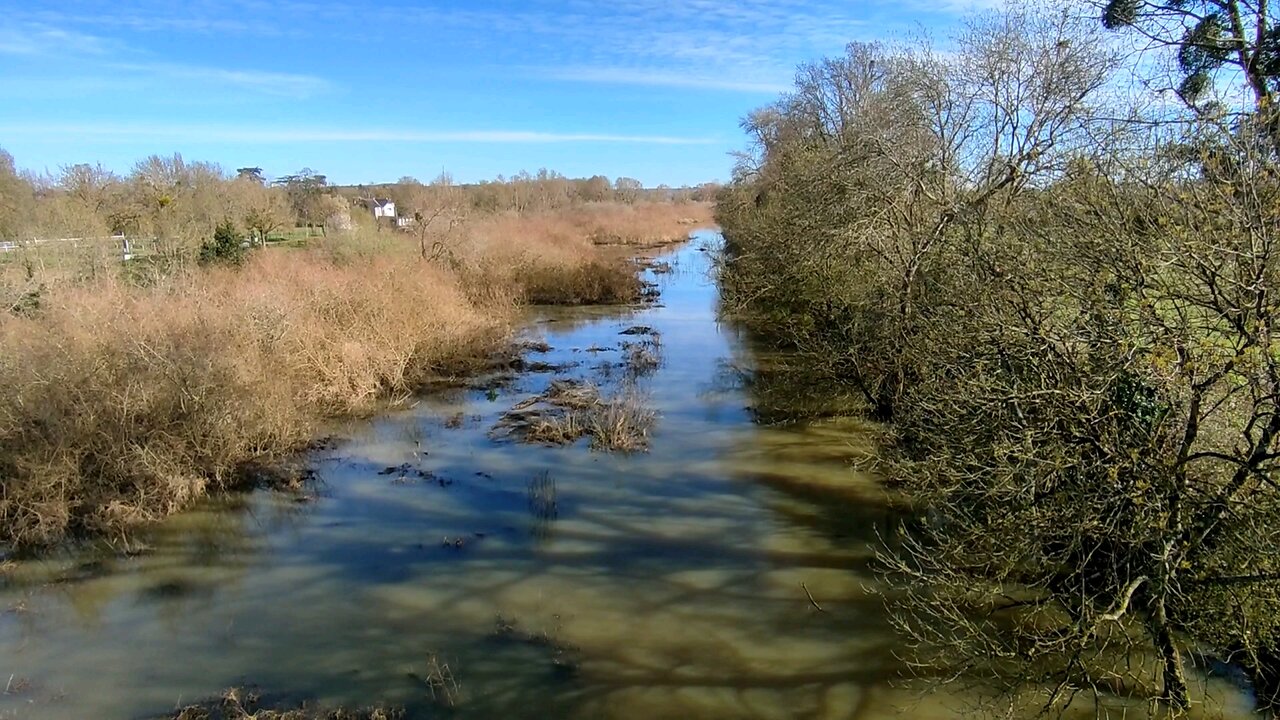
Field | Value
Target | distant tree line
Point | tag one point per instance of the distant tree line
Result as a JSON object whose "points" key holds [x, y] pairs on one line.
{"points": [[529, 192], [180, 204]]}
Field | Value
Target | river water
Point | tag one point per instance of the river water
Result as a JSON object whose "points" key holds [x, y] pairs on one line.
{"points": [[529, 581]]}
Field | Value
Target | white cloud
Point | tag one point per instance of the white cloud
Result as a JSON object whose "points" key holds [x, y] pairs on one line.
{"points": [[275, 135], [749, 46]]}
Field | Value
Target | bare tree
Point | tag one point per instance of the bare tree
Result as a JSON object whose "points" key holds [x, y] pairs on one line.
{"points": [[179, 203], [262, 210], [439, 210], [872, 162], [1095, 443], [628, 189]]}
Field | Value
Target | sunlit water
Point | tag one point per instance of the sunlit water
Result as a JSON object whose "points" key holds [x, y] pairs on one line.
{"points": [[675, 583]]}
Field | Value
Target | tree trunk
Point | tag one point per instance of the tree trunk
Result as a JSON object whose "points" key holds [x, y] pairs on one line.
{"points": [[1175, 679]]}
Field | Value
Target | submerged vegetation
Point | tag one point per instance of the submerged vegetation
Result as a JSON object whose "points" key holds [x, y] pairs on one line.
{"points": [[130, 388], [1063, 306], [244, 704]]}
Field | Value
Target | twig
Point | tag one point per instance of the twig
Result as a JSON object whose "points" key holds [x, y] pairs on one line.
{"points": [[812, 602]]}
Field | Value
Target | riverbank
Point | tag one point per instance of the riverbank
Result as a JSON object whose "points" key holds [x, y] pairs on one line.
{"points": [[122, 404]]}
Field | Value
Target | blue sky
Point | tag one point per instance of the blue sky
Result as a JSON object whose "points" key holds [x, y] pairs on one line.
{"points": [[371, 91]]}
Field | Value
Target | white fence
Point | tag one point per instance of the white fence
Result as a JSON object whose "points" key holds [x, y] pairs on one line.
{"points": [[122, 243]]}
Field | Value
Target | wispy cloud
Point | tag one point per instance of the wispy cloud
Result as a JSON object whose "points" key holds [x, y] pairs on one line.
{"points": [[35, 40], [220, 19], [659, 78], [269, 83], [278, 135], [91, 54], [742, 45]]}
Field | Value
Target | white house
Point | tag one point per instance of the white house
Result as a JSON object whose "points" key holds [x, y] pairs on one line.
{"points": [[383, 208]]}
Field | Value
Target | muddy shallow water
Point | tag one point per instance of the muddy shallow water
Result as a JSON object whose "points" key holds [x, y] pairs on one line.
{"points": [[551, 581]]}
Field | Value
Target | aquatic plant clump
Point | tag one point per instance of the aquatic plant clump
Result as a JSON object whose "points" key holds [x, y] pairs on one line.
{"points": [[442, 687], [642, 357], [570, 410]]}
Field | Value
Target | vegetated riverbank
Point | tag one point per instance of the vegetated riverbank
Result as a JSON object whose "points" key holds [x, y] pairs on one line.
{"points": [[434, 567], [1067, 321], [123, 402]]}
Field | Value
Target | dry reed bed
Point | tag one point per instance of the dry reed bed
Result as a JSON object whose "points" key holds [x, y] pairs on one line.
{"points": [[556, 258], [120, 404], [607, 223]]}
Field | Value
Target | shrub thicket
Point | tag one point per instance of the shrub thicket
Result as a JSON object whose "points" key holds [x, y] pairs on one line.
{"points": [[1065, 309]]}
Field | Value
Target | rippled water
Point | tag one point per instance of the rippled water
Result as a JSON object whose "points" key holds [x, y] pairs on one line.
{"points": [[669, 584]]}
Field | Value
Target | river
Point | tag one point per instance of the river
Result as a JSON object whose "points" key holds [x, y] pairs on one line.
{"points": [[722, 574]]}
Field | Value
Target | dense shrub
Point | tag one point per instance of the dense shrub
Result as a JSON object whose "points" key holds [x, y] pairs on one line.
{"points": [[224, 247]]}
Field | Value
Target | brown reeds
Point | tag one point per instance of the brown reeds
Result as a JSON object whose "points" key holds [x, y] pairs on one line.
{"points": [[120, 404], [557, 258]]}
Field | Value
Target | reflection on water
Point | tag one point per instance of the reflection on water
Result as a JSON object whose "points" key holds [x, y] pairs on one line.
{"points": [[553, 582]]}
